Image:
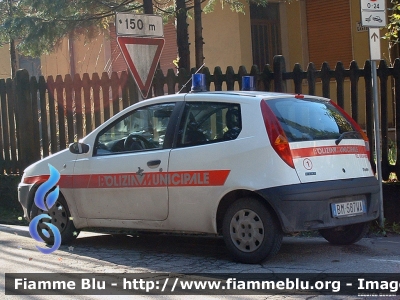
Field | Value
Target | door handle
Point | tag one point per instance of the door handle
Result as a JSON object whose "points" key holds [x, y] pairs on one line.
{"points": [[153, 163]]}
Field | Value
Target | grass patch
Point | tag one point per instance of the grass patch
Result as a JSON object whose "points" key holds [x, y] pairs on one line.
{"points": [[388, 228]]}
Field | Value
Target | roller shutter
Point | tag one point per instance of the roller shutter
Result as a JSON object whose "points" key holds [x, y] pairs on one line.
{"points": [[329, 32]]}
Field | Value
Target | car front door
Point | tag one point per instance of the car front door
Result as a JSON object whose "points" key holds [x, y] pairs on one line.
{"points": [[126, 179]]}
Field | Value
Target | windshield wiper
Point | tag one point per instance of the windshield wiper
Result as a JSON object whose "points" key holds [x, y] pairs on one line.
{"points": [[346, 134]]}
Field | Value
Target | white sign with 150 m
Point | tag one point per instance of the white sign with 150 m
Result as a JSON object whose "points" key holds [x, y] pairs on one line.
{"points": [[128, 24]]}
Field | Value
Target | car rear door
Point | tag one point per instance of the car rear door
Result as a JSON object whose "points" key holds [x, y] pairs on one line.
{"points": [[202, 160]]}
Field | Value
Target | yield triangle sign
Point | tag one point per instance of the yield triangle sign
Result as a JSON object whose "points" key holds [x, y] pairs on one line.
{"points": [[142, 56]]}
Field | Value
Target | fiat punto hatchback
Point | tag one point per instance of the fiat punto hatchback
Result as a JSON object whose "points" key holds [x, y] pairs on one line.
{"points": [[250, 166]]}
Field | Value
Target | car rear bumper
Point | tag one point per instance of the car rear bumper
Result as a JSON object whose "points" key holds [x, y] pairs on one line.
{"points": [[307, 206]]}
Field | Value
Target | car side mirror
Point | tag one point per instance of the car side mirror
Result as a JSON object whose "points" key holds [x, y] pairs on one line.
{"points": [[78, 148]]}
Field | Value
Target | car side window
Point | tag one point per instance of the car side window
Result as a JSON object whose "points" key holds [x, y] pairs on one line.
{"points": [[139, 130], [209, 122]]}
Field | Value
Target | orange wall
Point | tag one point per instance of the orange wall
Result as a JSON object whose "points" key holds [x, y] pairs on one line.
{"points": [[227, 39], [5, 69], [89, 58]]}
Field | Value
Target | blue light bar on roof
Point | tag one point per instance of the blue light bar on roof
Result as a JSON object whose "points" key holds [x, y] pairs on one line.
{"points": [[199, 83], [248, 83]]}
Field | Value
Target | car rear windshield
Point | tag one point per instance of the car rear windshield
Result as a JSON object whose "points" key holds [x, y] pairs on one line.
{"points": [[311, 119]]}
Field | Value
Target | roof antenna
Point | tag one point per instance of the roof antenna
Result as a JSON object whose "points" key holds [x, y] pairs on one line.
{"points": [[183, 86]]}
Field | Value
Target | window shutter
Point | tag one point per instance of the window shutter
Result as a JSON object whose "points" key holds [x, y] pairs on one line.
{"points": [[329, 32]]}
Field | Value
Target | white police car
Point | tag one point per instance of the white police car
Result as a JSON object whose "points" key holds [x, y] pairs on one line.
{"points": [[248, 165]]}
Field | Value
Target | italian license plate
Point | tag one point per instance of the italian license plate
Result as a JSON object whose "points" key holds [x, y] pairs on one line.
{"points": [[356, 206]]}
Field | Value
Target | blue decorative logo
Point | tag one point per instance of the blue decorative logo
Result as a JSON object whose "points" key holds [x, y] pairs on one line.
{"points": [[40, 202]]}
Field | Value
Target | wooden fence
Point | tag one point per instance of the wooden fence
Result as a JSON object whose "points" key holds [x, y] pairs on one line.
{"points": [[40, 117]]}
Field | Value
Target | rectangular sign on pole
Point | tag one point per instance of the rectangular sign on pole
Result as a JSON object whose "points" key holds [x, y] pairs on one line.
{"points": [[128, 24], [374, 43], [373, 13]]}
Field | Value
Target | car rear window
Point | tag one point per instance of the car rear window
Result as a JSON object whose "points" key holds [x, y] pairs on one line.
{"points": [[310, 119]]}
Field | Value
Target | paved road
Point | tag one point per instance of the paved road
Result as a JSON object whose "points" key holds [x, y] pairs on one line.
{"points": [[120, 253]]}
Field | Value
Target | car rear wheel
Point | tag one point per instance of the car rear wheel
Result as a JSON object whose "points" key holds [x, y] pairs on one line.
{"points": [[250, 231], [345, 235], [60, 217]]}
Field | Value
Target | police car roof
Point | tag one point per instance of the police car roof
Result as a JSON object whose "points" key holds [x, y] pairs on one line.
{"points": [[251, 94]]}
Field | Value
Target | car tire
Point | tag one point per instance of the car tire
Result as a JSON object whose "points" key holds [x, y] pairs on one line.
{"points": [[60, 217], [345, 235], [250, 231]]}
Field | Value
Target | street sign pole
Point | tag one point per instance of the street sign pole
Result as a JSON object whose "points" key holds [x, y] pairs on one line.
{"points": [[377, 139], [373, 16]]}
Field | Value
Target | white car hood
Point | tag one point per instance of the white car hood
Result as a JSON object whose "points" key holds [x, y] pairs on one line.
{"points": [[63, 161]]}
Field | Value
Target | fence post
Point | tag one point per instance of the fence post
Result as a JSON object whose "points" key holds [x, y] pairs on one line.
{"points": [[267, 77], [69, 107], [124, 89], [218, 79], [339, 76], [96, 99], [35, 117], [369, 110], [158, 83], [396, 75], [242, 72], [354, 77], [4, 137], [325, 77], [171, 81], [311, 78], [60, 108], [383, 74], [133, 90], [43, 116], [279, 68], [230, 78], [86, 87], [206, 72], [298, 79], [24, 121]]}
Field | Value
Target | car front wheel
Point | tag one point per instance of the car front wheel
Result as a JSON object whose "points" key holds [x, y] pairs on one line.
{"points": [[60, 217], [250, 231], [345, 235]]}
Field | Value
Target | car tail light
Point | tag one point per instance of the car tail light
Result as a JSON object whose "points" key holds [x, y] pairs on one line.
{"points": [[355, 126], [276, 134]]}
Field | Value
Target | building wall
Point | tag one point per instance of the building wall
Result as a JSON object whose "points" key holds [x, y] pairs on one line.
{"points": [[5, 69], [227, 39], [296, 37], [57, 62], [89, 57]]}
